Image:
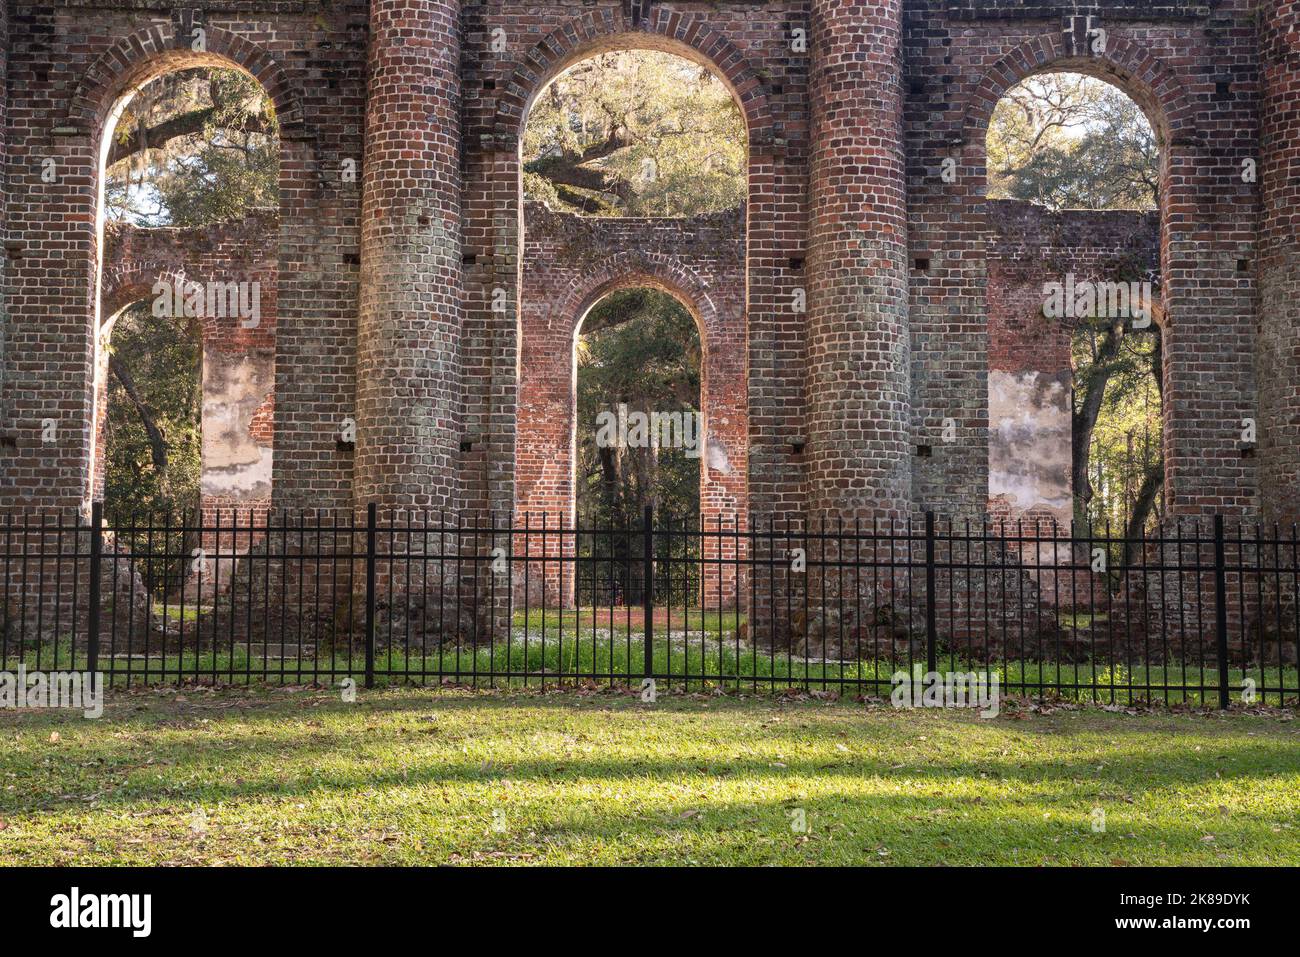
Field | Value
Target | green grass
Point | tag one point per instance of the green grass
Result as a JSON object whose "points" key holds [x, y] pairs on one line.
{"points": [[409, 776], [1080, 620], [177, 613], [628, 620], [621, 661]]}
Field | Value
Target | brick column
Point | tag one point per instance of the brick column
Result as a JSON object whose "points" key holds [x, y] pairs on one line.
{"points": [[858, 357], [6, 413], [1279, 266], [408, 375]]}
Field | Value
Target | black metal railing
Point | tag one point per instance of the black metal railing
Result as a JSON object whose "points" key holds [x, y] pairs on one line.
{"points": [[1201, 613]]}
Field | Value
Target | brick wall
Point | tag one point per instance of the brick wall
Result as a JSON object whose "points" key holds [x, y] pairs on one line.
{"points": [[70, 63], [1194, 69], [842, 401], [1279, 313], [750, 45], [238, 350], [570, 264], [1029, 362]]}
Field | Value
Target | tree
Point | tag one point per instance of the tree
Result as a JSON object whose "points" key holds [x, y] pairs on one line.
{"points": [[636, 133], [641, 348], [1068, 141], [1118, 397], [194, 147], [154, 406]]}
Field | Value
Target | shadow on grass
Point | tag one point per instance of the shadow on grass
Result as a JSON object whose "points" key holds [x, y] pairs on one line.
{"points": [[173, 740]]}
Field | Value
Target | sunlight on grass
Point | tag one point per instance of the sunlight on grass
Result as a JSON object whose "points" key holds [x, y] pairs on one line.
{"points": [[408, 776]]}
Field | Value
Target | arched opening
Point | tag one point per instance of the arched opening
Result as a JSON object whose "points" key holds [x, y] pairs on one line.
{"points": [[634, 167], [1075, 322], [642, 133], [638, 437], [188, 197]]}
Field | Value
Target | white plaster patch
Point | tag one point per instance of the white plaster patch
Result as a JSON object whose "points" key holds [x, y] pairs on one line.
{"points": [[234, 388], [1029, 442], [719, 461]]}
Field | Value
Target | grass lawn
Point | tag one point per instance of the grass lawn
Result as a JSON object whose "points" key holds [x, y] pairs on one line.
{"points": [[411, 776], [707, 666]]}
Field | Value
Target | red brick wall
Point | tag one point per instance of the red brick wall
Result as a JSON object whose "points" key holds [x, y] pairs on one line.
{"points": [[1195, 71], [437, 398], [570, 264], [1032, 246], [1030, 367], [69, 64], [1279, 314], [749, 45], [236, 352]]}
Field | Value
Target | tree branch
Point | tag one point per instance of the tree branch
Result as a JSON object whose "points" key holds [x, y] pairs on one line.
{"points": [[185, 124], [157, 442]]}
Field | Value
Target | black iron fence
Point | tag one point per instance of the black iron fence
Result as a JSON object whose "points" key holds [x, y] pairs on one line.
{"points": [[1201, 613]]}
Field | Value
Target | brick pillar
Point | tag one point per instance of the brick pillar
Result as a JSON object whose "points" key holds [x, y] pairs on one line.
{"points": [[408, 375], [1279, 267], [858, 358], [6, 413]]}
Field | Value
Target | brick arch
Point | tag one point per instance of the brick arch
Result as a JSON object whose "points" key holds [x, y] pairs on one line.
{"points": [[158, 49], [134, 282], [1149, 82], [638, 271], [604, 31], [1159, 92], [694, 37], [148, 53], [545, 452]]}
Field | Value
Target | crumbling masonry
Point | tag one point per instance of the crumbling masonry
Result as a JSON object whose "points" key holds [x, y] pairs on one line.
{"points": [[867, 294]]}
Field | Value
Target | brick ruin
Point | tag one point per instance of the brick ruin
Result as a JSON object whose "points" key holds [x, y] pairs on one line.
{"points": [[238, 353], [572, 262], [415, 296]]}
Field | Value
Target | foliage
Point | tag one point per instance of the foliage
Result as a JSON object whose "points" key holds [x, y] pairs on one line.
{"points": [[639, 347], [163, 354], [1068, 141], [636, 133], [201, 146]]}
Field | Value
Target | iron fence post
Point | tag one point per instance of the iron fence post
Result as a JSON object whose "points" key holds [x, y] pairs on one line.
{"points": [[1221, 609], [931, 649], [648, 588], [96, 566], [370, 594]]}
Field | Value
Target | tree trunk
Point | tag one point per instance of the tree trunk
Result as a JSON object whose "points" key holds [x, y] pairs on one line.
{"points": [[1084, 419], [1146, 501], [157, 442]]}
